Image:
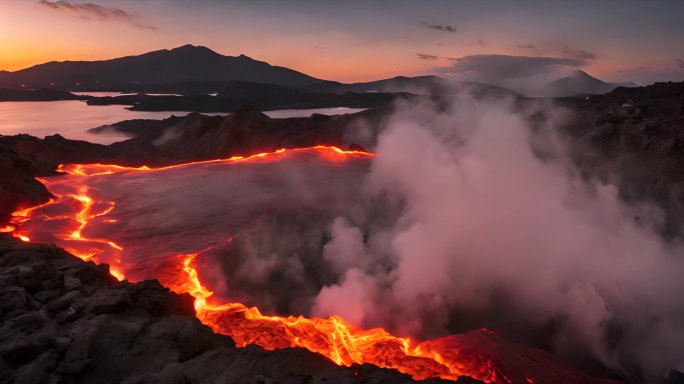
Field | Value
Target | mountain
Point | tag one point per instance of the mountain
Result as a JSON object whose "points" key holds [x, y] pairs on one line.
{"points": [[199, 70], [419, 85], [188, 63], [580, 82]]}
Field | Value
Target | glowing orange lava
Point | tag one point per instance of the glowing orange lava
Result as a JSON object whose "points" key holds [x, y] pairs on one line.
{"points": [[329, 153], [332, 337]]}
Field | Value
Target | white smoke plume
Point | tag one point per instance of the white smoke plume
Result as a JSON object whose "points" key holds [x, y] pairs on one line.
{"points": [[497, 230]]}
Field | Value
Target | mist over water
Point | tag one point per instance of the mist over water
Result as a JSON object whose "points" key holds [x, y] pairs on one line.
{"points": [[471, 215]]}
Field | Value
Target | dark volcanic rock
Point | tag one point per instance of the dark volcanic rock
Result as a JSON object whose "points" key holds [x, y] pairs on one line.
{"points": [[68, 321], [17, 184], [634, 138], [675, 377], [43, 155]]}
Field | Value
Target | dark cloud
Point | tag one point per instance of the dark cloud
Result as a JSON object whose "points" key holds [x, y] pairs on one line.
{"points": [[481, 41], [97, 12], [527, 46], [440, 27], [680, 62], [505, 67], [578, 54], [425, 56]]}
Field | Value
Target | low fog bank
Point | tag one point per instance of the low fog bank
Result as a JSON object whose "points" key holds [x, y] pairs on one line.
{"points": [[471, 215]]}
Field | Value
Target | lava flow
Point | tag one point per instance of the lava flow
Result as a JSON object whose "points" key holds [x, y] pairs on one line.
{"points": [[76, 206]]}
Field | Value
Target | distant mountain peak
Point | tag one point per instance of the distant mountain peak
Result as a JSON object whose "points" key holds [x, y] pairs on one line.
{"points": [[184, 64], [201, 51], [416, 78], [580, 74], [579, 83], [186, 46], [189, 48]]}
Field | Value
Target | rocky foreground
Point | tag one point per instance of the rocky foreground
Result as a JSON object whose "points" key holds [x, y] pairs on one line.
{"points": [[68, 321]]}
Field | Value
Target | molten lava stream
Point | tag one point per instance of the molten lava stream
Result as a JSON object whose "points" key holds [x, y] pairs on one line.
{"points": [[332, 337], [64, 220]]}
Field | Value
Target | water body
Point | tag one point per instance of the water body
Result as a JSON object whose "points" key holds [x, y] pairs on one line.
{"points": [[101, 94], [106, 94], [72, 118], [285, 113]]}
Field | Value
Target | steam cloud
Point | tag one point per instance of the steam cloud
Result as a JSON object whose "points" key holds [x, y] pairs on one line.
{"points": [[506, 67], [526, 74], [498, 230], [471, 215]]}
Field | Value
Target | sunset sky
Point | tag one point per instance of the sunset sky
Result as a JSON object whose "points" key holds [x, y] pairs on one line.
{"points": [[360, 40]]}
